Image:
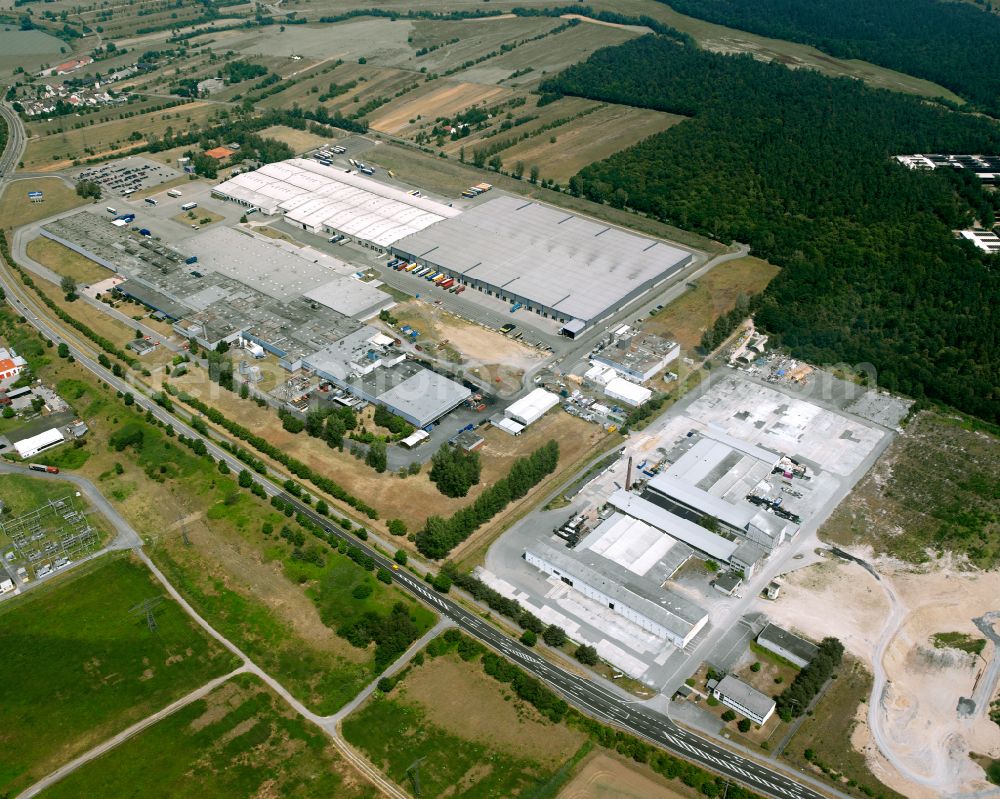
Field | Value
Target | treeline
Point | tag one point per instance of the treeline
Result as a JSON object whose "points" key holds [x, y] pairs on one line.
{"points": [[318, 121], [264, 446], [439, 536], [794, 700], [550, 704], [800, 166], [105, 344], [556, 11], [727, 323], [954, 44]]}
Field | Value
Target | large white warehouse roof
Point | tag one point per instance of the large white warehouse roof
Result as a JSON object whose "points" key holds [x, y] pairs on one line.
{"points": [[578, 267], [532, 407], [28, 447], [321, 197]]}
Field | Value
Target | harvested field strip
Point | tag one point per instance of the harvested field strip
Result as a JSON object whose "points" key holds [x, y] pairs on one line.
{"points": [[442, 100], [589, 138]]}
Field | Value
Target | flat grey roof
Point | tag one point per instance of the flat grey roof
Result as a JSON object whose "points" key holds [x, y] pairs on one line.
{"points": [[410, 388], [690, 533], [350, 297], [746, 695], [667, 608], [687, 494], [795, 644], [576, 266]]}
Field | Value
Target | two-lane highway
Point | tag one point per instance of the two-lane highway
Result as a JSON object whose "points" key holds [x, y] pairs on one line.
{"points": [[590, 697]]}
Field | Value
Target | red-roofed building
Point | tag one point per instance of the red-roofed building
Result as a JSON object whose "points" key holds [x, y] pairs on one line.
{"points": [[11, 364], [220, 153]]}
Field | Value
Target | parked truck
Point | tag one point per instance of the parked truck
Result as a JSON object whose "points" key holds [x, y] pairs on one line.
{"points": [[41, 467]]}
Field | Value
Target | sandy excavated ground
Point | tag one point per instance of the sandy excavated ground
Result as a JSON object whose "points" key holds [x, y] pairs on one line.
{"points": [[921, 726]]}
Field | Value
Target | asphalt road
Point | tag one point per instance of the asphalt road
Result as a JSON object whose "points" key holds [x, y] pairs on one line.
{"points": [[15, 141], [589, 696]]}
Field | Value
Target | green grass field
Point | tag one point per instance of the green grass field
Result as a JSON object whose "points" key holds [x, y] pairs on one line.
{"points": [[78, 667], [240, 741], [395, 734], [324, 676], [962, 641]]}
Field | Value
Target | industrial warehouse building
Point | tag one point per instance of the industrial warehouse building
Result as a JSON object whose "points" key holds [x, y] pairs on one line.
{"points": [[791, 647], [744, 699], [29, 447], [325, 200], [712, 480], [531, 407], [554, 263], [296, 303], [635, 356], [623, 565], [367, 364]]}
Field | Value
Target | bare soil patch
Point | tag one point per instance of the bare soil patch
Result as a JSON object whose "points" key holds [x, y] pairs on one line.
{"points": [[299, 140], [606, 777]]}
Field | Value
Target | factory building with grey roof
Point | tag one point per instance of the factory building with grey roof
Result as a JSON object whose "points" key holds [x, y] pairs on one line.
{"points": [[557, 264], [623, 565]]}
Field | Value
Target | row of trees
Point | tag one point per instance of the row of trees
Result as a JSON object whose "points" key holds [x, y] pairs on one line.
{"points": [[299, 469], [800, 166], [794, 700], [953, 44], [105, 344], [439, 536]]}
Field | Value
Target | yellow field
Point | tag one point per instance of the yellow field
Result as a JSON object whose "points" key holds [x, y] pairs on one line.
{"points": [[590, 138], [687, 317], [299, 140], [444, 100], [16, 209]]}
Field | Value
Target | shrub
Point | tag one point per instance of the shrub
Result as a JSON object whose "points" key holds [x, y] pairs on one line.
{"points": [[743, 725], [529, 638], [728, 715]]}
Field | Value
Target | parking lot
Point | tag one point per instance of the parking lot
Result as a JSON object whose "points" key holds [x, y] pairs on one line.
{"points": [[129, 175]]}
